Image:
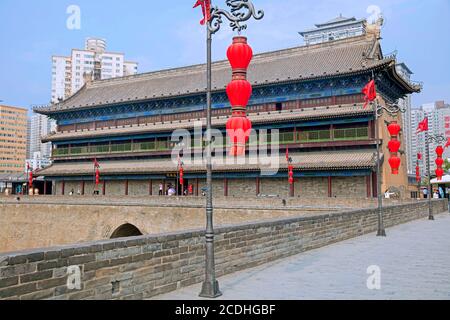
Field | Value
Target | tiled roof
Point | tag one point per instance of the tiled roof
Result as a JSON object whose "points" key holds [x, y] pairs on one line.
{"points": [[338, 160], [261, 118], [341, 57]]}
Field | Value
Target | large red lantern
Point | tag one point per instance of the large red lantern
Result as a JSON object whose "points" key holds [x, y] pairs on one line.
{"points": [[394, 146], [240, 54], [439, 151], [239, 91], [291, 174], [394, 128], [418, 178], [439, 162], [394, 162]]}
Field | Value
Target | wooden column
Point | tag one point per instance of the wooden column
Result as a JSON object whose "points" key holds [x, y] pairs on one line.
{"points": [[196, 187], [104, 188], [369, 187], [45, 187], [63, 186], [164, 187], [258, 186], [126, 187], [225, 187], [330, 187], [82, 187], [150, 187], [374, 185]]}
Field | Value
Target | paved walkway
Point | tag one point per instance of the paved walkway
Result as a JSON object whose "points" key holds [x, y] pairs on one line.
{"points": [[414, 261]]}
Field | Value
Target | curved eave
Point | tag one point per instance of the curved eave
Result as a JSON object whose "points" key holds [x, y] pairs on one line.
{"points": [[407, 86], [50, 110]]}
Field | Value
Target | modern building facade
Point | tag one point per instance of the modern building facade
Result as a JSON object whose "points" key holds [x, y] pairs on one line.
{"points": [[13, 139], [438, 114], [68, 73], [310, 94]]}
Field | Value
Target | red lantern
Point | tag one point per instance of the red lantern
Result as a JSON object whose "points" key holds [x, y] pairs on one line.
{"points": [[394, 129], [239, 92], [238, 129], [97, 177], [394, 162], [439, 151], [418, 174], [181, 176], [30, 180], [240, 54], [439, 162], [439, 173], [394, 146], [291, 174]]}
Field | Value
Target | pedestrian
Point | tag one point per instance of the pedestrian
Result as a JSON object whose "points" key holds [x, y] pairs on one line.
{"points": [[425, 193], [436, 195], [161, 191], [441, 193]]}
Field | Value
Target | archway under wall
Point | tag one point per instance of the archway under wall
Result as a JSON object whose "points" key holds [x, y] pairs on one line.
{"points": [[125, 231]]}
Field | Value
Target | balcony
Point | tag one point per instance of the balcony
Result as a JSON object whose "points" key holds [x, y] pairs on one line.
{"points": [[285, 138]]}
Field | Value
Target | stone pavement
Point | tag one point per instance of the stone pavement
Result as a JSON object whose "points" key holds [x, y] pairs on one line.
{"points": [[414, 261]]}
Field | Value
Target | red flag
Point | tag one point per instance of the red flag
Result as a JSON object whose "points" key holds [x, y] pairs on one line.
{"points": [[96, 164], [423, 126], [206, 10], [419, 156], [370, 93]]}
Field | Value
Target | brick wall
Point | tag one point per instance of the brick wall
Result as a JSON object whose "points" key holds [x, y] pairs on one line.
{"points": [[304, 187], [142, 267]]}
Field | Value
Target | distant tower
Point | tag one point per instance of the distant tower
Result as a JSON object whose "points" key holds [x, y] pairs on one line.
{"points": [[336, 29]]}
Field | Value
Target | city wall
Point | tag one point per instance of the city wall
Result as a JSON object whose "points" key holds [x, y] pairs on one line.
{"points": [[145, 266]]}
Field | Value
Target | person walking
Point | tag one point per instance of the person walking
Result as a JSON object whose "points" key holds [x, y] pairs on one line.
{"points": [[425, 193], [161, 191]]}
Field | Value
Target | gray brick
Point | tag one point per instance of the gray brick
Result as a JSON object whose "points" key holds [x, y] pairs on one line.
{"points": [[7, 282], [39, 295], [50, 283], [17, 290], [16, 270], [36, 276]]}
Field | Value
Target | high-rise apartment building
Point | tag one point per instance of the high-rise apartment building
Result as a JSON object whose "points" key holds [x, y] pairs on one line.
{"points": [[438, 114], [13, 139], [68, 73]]}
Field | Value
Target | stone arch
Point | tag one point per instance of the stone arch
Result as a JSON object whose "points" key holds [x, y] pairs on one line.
{"points": [[126, 230]]}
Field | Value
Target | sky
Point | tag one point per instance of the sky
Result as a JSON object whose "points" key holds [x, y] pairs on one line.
{"points": [[167, 34]]}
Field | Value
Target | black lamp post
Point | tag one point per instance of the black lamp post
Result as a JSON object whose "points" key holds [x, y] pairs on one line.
{"points": [[429, 139], [240, 11], [378, 110]]}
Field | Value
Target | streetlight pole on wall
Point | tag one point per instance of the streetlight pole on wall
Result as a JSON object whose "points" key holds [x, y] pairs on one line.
{"points": [[392, 110], [429, 139], [240, 11]]}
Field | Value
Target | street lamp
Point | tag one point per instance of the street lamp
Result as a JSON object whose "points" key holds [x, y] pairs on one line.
{"points": [[429, 139], [240, 11], [378, 110]]}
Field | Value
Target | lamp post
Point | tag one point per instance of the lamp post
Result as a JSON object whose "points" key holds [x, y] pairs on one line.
{"points": [[378, 110], [429, 139], [240, 11]]}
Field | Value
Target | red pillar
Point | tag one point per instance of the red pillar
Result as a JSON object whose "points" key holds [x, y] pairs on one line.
{"points": [[150, 187], [126, 187], [104, 187], [330, 187], [63, 187], [225, 187], [45, 187], [369, 188], [82, 187], [196, 187], [292, 189], [374, 185]]}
